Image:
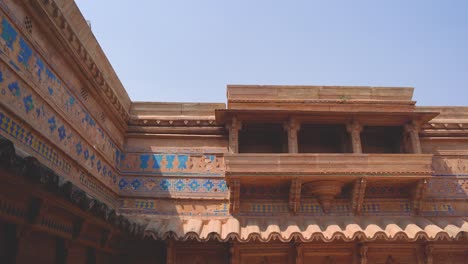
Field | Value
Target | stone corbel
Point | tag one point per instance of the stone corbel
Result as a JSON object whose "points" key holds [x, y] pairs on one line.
{"points": [[292, 127], [234, 196], [418, 196], [233, 129], [413, 130], [357, 196], [354, 129], [295, 195]]}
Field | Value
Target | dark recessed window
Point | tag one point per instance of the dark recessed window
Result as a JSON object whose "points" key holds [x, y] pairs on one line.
{"points": [[262, 138], [313, 138], [382, 139]]}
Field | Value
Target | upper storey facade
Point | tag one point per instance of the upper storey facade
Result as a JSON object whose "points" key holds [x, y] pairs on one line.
{"points": [[316, 141]]}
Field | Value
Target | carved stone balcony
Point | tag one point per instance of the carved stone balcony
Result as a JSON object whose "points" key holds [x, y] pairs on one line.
{"points": [[327, 176]]}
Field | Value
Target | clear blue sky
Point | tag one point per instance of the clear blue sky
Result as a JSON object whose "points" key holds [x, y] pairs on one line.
{"points": [[189, 50]]}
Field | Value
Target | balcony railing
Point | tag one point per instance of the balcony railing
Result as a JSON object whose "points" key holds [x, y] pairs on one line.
{"points": [[335, 164]]}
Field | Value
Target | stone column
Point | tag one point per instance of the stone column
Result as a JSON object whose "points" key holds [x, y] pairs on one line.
{"points": [[354, 129], [233, 129], [413, 131], [292, 127]]}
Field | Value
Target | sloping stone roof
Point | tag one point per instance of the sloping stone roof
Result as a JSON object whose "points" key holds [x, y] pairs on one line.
{"points": [[306, 229]]}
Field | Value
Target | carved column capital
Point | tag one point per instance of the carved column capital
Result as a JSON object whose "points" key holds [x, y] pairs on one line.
{"points": [[354, 127], [412, 127], [292, 124], [234, 124]]}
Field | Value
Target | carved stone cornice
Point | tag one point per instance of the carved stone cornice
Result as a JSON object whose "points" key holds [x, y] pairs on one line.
{"points": [[445, 129], [59, 23], [44, 179], [174, 122], [322, 101]]}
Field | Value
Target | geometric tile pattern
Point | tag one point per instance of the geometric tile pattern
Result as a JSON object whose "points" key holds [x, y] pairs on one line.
{"points": [[29, 64], [167, 187], [448, 188], [172, 164], [397, 207], [27, 139]]}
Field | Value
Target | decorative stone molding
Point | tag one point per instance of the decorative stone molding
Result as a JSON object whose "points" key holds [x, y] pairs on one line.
{"points": [[325, 191], [67, 31], [174, 122]]}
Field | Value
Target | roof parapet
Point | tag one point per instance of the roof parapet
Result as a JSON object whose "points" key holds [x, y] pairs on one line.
{"points": [[246, 96]]}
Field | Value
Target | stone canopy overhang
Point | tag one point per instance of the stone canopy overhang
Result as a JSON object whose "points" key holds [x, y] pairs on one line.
{"points": [[322, 105], [330, 116]]}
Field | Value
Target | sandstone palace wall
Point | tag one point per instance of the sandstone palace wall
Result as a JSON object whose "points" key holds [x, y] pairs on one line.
{"points": [[279, 174]]}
